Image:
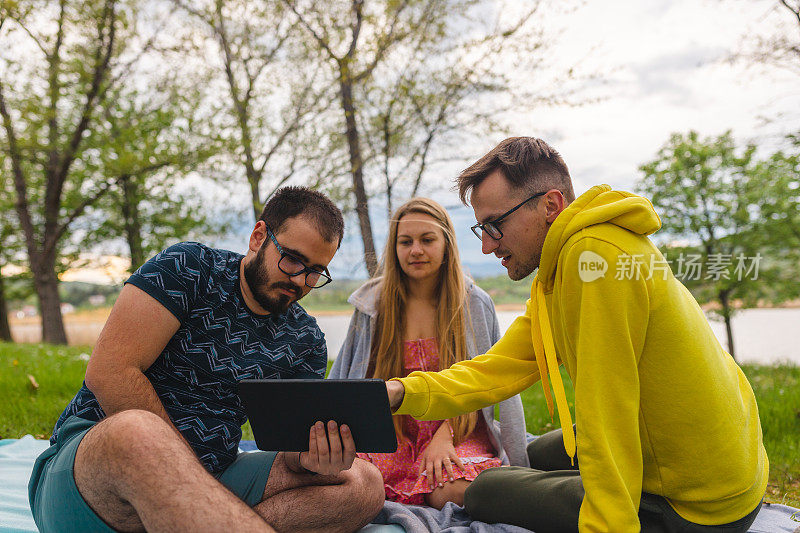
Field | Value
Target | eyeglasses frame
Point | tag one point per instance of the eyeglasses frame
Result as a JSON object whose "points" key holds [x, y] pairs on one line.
{"points": [[306, 269], [494, 223]]}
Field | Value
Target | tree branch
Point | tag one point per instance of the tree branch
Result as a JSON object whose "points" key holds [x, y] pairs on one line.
{"points": [[219, 29], [313, 33], [191, 10], [357, 8], [78, 211], [300, 113], [284, 178], [796, 12], [21, 205], [31, 35], [52, 196], [384, 43], [102, 60], [125, 68]]}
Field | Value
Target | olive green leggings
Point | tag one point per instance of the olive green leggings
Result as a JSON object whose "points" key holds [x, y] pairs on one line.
{"points": [[547, 497]]}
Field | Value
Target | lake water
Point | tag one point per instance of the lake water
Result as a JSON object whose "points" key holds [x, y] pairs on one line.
{"points": [[764, 336]]}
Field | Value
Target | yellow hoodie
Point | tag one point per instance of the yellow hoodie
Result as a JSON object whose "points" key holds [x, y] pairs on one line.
{"points": [[660, 407]]}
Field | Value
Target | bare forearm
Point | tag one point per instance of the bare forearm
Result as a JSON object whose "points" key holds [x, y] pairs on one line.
{"points": [[395, 390], [127, 389], [444, 432]]}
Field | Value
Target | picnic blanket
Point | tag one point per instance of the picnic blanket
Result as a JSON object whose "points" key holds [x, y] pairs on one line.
{"points": [[17, 457]]}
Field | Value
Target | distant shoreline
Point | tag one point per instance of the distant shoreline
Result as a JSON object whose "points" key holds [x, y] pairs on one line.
{"points": [[84, 327], [101, 314]]}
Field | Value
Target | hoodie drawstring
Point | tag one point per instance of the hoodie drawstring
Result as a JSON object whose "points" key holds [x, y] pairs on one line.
{"points": [[543, 344]]}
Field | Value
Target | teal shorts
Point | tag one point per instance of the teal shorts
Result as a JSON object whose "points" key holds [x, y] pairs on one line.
{"points": [[58, 506]]}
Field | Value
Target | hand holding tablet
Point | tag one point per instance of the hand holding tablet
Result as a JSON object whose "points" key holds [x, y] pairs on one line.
{"points": [[329, 455]]}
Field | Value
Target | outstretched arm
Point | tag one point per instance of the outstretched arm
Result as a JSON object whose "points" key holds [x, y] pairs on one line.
{"points": [[508, 368]]}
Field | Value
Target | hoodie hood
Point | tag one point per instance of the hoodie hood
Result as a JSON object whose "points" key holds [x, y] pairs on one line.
{"points": [[598, 205], [365, 298]]}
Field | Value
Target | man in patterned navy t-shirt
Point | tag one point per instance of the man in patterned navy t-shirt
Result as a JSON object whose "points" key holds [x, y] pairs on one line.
{"points": [[151, 438]]}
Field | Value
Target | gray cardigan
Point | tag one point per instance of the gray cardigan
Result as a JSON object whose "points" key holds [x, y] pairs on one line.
{"points": [[507, 434]]}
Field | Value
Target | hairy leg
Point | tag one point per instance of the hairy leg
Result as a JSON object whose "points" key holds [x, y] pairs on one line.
{"points": [[308, 502], [452, 491], [137, 474]]}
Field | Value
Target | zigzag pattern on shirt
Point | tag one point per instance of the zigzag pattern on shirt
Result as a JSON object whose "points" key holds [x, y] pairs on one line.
{"points": [[219, 343]]}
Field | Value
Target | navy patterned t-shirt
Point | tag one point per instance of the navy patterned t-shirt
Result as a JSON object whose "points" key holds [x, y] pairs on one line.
{"points": [[219, 343]]}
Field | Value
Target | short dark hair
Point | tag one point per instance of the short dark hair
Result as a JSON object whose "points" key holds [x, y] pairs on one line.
{"points": [[289, 202], [527, 162]]}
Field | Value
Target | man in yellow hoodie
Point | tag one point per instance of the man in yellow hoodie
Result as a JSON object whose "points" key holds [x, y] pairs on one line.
{"points": [[667, 431]]}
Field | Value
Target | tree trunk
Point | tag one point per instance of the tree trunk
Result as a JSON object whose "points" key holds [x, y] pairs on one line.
{"points": [[726, 314], [357, 171], [133, 223], [5, 329], [45, 280], [389, 206]]}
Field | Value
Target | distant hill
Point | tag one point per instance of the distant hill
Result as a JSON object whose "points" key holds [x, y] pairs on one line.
{"points": [[333, 297]]}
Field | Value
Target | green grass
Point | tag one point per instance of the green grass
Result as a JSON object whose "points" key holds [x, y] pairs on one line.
{"points": [[59, 372], [505, 291], [777, 390]]}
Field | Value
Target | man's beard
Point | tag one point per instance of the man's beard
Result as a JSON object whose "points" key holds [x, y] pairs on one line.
{"points": [[523, 270], [255, 273]]}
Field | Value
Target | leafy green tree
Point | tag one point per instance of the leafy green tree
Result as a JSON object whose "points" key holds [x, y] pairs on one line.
{"points": [[337, 28], [47, 105], [271, 92], [151, 142], [451, 88], [10, 244], [779, 206], [710, 197], [414, 78], [67, 131]]}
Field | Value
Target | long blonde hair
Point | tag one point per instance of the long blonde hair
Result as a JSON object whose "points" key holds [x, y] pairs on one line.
{"points": [[452, 311]]}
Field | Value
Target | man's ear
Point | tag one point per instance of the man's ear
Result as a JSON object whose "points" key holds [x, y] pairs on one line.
{"points": [[258, 236], [554, 204]]}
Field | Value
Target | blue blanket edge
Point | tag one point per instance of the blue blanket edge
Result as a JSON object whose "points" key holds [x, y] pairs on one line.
{"points": [[17, 457]]}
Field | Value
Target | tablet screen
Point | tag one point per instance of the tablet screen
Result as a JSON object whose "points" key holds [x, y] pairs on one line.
{"points": [[281, 412]]}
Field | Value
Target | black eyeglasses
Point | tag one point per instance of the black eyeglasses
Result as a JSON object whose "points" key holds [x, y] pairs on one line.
{"points": [[293, 266], [492, 228]]}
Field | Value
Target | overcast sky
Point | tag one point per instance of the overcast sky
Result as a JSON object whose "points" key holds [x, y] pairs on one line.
{"points": [[665, 70]]}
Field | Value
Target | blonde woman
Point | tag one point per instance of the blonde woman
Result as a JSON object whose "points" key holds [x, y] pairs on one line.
{"points": [[423, 313]]}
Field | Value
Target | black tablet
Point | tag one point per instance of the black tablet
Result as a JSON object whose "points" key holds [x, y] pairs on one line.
{"points": [[281, 411]]}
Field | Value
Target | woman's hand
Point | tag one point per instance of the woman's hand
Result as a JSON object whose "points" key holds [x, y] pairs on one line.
{"points": [[440, 454]]}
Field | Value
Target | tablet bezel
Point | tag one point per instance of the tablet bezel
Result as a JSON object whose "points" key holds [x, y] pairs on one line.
{"points": [[281, 411]]}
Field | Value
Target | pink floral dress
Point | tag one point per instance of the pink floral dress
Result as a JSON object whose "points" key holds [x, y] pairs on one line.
{"points": [[401, 480]]}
